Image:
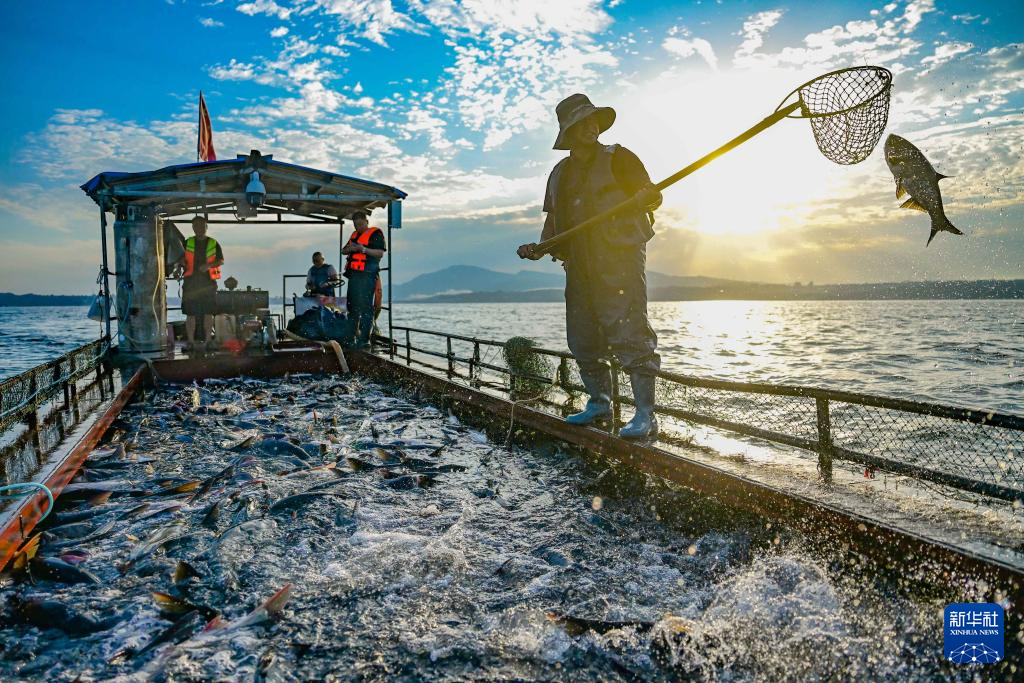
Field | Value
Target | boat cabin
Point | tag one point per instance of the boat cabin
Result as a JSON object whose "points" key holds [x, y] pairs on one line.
{"points": [[247, 190]]}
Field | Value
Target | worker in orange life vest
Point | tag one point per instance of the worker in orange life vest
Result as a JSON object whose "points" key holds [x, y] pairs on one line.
{"points": [[201, 264], [365, 249]]}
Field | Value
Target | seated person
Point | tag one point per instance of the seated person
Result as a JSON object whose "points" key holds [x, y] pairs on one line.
{"points": [[322, 278]]}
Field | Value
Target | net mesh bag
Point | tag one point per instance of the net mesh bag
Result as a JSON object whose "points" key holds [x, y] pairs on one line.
{"points": [[848, 110], [529, 369]]}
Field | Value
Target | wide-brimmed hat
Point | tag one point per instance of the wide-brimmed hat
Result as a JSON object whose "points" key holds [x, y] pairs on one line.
{"points": [[574, 109]]}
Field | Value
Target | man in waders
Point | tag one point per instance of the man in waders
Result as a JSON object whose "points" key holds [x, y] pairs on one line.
{"points": [[202, 262], [606, 287], [365, 249]]}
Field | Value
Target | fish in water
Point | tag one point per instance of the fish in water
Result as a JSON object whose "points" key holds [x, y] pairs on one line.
{"points": [[575, 626], [100, 533], [183, 571], [54, 569], [299, 499], [26, 552], [170, 604], [212, 515], [157, 540], [280, 447], [78, 515], [668, 632], [181, 629], [410, 481], [71, 531], [54, 614], [268, 610], [915, 176]]}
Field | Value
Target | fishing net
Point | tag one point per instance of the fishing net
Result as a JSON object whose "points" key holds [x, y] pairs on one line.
{"points": [[532, 375], [21, 394], [848, 110]]}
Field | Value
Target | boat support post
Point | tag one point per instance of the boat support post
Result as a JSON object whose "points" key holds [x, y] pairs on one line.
{"points": [[106, 274], [825, 447]]}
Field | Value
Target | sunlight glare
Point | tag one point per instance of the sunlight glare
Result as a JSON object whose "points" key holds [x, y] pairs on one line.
{"points": [[764, 185]]}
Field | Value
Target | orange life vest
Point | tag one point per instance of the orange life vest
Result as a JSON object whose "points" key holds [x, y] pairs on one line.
{"points": [[211, 256], [358, 261]]}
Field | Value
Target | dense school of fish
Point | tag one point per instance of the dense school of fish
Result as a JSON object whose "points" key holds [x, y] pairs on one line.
{"points": [[319, 527]]}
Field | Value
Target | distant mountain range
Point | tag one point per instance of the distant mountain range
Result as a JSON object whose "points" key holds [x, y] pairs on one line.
{"points": [[455, 281], [9, 299], [467, 284]]}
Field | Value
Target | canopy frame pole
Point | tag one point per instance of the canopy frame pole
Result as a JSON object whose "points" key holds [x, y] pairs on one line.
{"points": [[341, 245], [391, 260], [106, 273]]}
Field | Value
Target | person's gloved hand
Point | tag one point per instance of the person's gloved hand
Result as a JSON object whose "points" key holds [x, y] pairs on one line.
{"points": [[526, 251], [647, 198]]}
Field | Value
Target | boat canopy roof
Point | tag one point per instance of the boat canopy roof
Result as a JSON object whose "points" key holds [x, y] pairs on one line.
{"points": [[220, 186]]}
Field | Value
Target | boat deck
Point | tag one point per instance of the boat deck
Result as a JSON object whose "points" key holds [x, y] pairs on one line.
{"points": [[894, 519]]}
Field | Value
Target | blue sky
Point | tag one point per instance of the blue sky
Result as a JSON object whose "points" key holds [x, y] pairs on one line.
{"points": [[452, 101]]}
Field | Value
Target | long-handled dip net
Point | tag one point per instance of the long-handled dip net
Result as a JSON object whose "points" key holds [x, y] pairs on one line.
{"points": [[848, 110]]}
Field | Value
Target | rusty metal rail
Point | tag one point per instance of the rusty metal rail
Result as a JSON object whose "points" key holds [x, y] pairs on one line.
{"points": [[23, 394], [978, 451], [19, 519]]}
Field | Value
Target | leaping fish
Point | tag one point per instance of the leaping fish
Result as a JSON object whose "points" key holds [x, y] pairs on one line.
{"points": [[915, 176]]}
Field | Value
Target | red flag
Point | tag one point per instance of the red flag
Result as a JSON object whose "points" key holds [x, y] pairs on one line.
{"points": [[205, 148]]}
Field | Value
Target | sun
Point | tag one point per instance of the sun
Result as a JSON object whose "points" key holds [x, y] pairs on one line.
{"points": [[765, 185]]}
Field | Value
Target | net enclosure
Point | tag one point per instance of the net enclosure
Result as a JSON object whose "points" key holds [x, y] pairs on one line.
{"points": [[848, 110], [23, 393], [963, 451]]}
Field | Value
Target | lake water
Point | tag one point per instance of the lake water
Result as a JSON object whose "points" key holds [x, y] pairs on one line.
{"points": [[967, 353]]}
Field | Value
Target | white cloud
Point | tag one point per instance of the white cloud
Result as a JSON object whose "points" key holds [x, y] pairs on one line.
{"points": [[373, 19], [209, 22], [945, 52], [687, 47], [965, 18], [566, 17], [65, 207], [914, 13], [514, 61], [754, 29], [286, 71], [855, 42], [235, 71], [71, 264], [77, 144], [314, 100], [267, 7]]}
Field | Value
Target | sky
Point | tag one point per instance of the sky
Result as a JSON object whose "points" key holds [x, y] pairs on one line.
{"points": [[453, 102]]}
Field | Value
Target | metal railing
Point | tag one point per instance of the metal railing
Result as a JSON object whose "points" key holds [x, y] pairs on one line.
{"points": [[979, 451], [22, 394]]}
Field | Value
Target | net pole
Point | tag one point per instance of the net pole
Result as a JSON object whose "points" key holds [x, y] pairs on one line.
{"points": [[548, 245]]}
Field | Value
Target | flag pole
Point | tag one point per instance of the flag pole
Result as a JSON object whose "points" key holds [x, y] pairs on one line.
{"points": [[199, 126]]}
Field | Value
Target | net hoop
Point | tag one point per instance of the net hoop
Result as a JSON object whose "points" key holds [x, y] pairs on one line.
{"points": [[885, 78], [848, 110]]}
